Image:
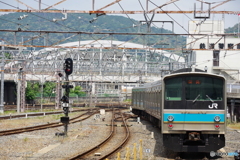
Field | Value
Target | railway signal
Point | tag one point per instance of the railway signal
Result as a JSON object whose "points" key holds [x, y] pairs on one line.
{"points": [[68, 66], [65, 99], [65, 109]]}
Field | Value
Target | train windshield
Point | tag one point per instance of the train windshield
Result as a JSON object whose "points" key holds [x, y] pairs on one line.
{"points": [[203, 89], [194, 88]]}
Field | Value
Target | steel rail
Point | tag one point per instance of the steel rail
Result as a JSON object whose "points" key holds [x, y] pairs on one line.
{"points": [[127, 137], [44, 126], [100, 144], [35, 114]]}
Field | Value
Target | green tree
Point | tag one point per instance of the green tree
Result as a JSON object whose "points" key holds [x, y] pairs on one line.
{"points": [[31, 90], [48, 89], [77, 91]]}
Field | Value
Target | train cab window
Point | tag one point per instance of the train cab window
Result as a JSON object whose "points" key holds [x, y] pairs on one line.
{"points": [[204, 89], [173, 89]]}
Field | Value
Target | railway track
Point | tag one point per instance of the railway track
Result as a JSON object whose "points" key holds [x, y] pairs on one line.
{"points": [[24, 115], [79, 118], [115, 138]]}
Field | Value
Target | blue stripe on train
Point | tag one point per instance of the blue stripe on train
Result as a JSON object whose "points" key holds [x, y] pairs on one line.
{"points": [[188, 117]]}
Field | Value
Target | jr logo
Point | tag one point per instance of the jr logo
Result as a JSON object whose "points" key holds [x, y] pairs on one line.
{"points": [[214, 105]]}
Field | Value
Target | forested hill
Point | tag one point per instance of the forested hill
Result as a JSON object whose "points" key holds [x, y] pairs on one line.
{"points": [[233, 29], [81, 22]]}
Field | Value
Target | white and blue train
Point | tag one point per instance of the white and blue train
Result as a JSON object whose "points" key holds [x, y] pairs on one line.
{"points": [[189, 107]]}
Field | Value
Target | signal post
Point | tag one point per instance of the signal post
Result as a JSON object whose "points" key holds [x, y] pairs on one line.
{"points": [[68, 68]]}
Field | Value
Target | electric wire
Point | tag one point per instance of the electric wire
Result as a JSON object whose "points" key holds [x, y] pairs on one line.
{"points": [[208, 60], [126, 13], [39, 16], [181, 10], [42, 17], [113, 30], [78, 30], [146, 14], [172, 18]]}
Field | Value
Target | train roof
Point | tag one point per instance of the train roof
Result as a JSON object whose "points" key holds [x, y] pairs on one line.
{"points": [[187, 70], [176, 73]]}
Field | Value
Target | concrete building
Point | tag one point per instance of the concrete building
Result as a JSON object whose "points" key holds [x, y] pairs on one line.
{"points": [[218, 53]]}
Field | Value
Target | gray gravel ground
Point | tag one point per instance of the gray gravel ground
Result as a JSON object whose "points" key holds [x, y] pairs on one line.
{"points": [[43, 144]]}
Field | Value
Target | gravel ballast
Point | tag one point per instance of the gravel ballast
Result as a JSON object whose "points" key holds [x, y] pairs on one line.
{"points": [[43, 144]]}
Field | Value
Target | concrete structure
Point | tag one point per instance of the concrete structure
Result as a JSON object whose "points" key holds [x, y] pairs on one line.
{"points": [[215, 58]]}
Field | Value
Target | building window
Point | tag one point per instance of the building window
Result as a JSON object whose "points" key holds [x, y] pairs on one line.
{"points": [[221, 45], [202, 46], [216, 58], [211, 46], [230, 46]]}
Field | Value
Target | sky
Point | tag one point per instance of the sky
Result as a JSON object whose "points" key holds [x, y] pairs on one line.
{"points": [[180, 20]]}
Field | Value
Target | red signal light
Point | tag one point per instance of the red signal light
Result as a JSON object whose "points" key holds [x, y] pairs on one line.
{"points": [[68, 66], [170, 126]]}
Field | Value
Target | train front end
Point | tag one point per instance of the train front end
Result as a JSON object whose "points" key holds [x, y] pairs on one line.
{"points": [[194, 109]]}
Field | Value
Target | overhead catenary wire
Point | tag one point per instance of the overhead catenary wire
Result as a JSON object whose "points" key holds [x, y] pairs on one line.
{"points": [[172, 19], [43, 18], [146, 14], [126, 13], [208, 60], [39, 16], [65, 25]]}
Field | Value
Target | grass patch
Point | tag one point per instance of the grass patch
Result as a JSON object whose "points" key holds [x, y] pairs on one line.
{"points": [[128, 100], [27, 111], [8, 112], [57, 116], [234, 126], [25, 139]]}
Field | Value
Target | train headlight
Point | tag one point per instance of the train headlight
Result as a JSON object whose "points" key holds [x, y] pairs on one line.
{"points": [[170, 118], [217, 119]]}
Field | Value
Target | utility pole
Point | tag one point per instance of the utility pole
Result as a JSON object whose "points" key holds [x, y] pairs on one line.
{"points": [[2, 84], [23, 89], [42, 81], [238, 24], [19, 79], [58, 90]]}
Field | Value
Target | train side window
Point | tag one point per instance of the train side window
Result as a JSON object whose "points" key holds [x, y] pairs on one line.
{"points": [[173, 89]]}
